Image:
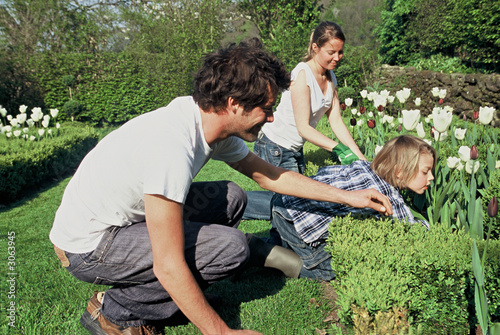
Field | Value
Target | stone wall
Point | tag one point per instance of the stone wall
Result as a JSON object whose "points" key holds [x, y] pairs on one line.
{"points": [[465, 92]]}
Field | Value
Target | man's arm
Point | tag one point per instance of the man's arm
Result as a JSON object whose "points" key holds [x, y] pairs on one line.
{"points": [[166, 232], [288, 182]]}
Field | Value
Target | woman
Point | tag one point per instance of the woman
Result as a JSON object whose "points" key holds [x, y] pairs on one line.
{"points": [[312, 94]]}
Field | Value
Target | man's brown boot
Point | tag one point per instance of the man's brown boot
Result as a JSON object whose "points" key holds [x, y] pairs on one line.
{"points": [[97, 324]]}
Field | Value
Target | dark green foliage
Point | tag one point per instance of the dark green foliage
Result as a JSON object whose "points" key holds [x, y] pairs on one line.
{"points": [[26, 165], [72, 108], [468, 29], [492, 191], [380, 264]]}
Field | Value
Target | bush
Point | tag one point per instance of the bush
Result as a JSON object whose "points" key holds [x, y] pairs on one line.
{"points": [[492, 191], [424, 277], [27, 165]]}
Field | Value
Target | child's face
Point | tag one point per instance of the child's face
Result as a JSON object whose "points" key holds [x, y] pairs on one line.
{"points": [[424, 175]]}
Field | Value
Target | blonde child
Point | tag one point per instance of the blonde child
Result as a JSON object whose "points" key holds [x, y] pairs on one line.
{"points": [[405, 162]]}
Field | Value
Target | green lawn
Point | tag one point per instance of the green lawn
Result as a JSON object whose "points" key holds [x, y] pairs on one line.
{"points": [[48, 300]]}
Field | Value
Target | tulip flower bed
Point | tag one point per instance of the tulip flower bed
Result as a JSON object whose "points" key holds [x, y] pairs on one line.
{"points": [[394, 277], [26, 164]]}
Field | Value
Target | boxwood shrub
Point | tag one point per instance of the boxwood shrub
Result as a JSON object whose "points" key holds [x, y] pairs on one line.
{"points": [[395, 276], [28, 165]]}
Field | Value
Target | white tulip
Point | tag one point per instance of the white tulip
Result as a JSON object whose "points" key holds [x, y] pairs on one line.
{"points": [[385, 93], [54, 112], [452, 162], [460, 166], [460, 133], [23, 109], [418, 101], [14, 122], [370, 114], [363, 93], [442, 119], [380, 100], [58, 125], [21, 118], [387, 119], [6, 129], [17, 133], [9, 117], [464, 153], [36, 114], [9, 134], [441, 137], [45, 123], [32, 138], [390, 99], [370, 96], [360, 122], [470, 164], [486, 114], [420, 130], [41, 132], [411, 118], [400, 96], [3, 111], [442, 93], [26, 130], [497, 165], [348, 102], [435, 91], [49, 131], [30, 122]]}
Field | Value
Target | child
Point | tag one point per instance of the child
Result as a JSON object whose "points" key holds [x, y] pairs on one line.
{"points": [[405, 162]]}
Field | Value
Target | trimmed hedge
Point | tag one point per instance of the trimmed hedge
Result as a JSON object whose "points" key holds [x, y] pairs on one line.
{"points": [[393, 277], [27, 165]]}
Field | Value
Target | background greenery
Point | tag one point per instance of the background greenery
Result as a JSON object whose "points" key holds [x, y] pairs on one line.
{"points": [[115, 59]]}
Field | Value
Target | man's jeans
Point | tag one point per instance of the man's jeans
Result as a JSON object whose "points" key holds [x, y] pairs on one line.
{"points": [[214, 250], [259, 202], [315, 259]]}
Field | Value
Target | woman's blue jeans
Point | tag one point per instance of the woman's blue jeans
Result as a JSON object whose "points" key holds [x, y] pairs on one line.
{"points": [[259, 202], [214, 250], [316, 260]]}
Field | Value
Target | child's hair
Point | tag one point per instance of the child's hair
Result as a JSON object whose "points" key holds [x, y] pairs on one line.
{"points": [[323, 33], [400, 156]]}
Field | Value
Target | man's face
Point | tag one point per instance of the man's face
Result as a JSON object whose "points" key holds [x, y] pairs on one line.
{"points": [[251, 122]]}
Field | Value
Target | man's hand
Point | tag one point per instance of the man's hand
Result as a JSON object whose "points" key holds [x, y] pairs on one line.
{"points": [[369, 198]]}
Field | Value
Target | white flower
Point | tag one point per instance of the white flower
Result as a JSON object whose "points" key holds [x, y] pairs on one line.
{"points": [[418, 101], [390, 98], [14, 122], [30, 122], [363, 93], [452, 162], [406, 92], [440, 136], [387, 119], [410, 118], [58, 125], [377, 149], [435, 91], [427, 119], [21, 118], [49, 131], [371, 96], [460, 133], [384, 93], [360, 122], [464, 153], [348, 102], [41, 132], [497, 165], [46, 117], [442, 93], [32, 138], [9, 134], [54, 112], [442, 119], [380, 100], [420, 130], [400, 96], [26, 130], [370, 114], [470, 164], [17, 133], [36, 114], [9, 117], [460, 166], [448, 109], [3, 111], [45, 123], [354, 111], [23, 109], [25, 136], [6, 129], [486, 114]]}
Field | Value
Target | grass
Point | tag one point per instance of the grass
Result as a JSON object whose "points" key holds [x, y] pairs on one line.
{"points": [[48, 300]]}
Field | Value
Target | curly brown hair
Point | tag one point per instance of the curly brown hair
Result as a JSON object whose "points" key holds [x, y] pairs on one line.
{"points": [[245, 72]]}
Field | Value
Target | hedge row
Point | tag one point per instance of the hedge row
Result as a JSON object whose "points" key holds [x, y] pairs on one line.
{"points": [[398, 278], [28, 165]]}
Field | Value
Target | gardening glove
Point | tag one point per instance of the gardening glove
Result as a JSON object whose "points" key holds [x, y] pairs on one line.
{"points": [[343, 155]]}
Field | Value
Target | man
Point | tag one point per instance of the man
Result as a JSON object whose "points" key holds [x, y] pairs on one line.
{"points": [[132, 218]]}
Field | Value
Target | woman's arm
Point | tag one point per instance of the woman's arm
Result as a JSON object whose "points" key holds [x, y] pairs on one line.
{"points": [[301, 104], [339, 128]]}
